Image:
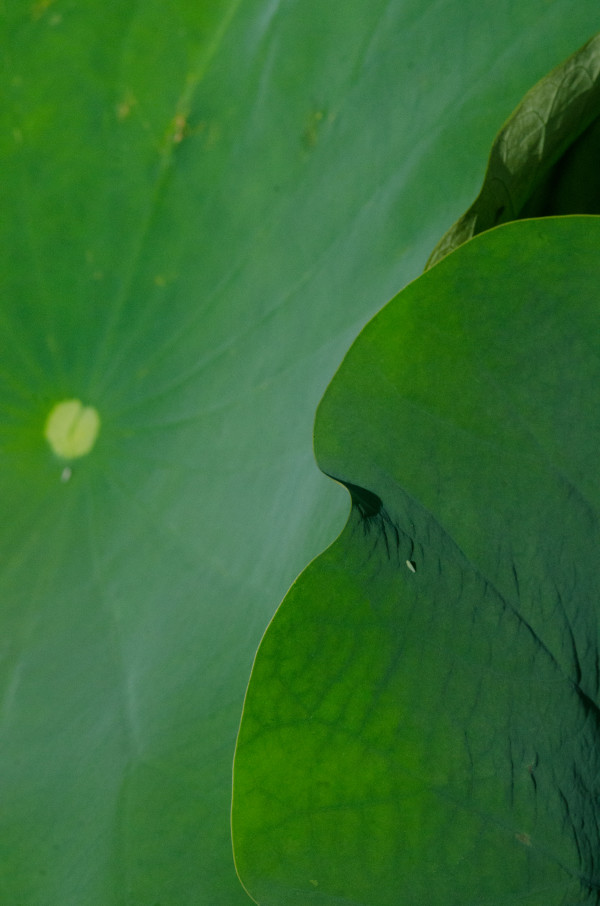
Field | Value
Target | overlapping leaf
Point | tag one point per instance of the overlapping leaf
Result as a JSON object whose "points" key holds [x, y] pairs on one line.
{"points": [[422, 722], [544, 161]]}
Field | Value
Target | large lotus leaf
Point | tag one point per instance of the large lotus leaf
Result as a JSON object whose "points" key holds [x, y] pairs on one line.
{"points": [[201, 203], [422, 721]]}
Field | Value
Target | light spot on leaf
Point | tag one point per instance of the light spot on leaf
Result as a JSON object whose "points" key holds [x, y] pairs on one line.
{"points": [[71, 429], [310, 134], [40, 7], [179, 128], [411, 565], [125, 106], [525, 839]]}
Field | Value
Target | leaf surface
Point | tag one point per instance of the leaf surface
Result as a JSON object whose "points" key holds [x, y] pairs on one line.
{"points": [[422, 720], [201, 205]]}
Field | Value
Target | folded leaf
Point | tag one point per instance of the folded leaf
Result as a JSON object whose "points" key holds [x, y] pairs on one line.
{"points": [[544, 160]]}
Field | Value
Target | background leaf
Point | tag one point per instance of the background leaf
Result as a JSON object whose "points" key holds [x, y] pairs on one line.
{"points": [[422, 720], [202, 203], [543, 160]]}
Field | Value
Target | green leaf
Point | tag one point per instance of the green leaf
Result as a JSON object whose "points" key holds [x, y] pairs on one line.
{"points": [[422, 721], [201, 205], [544, 160]]}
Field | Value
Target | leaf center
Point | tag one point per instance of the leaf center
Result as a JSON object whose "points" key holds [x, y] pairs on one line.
{"points": [[71, 428]]}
